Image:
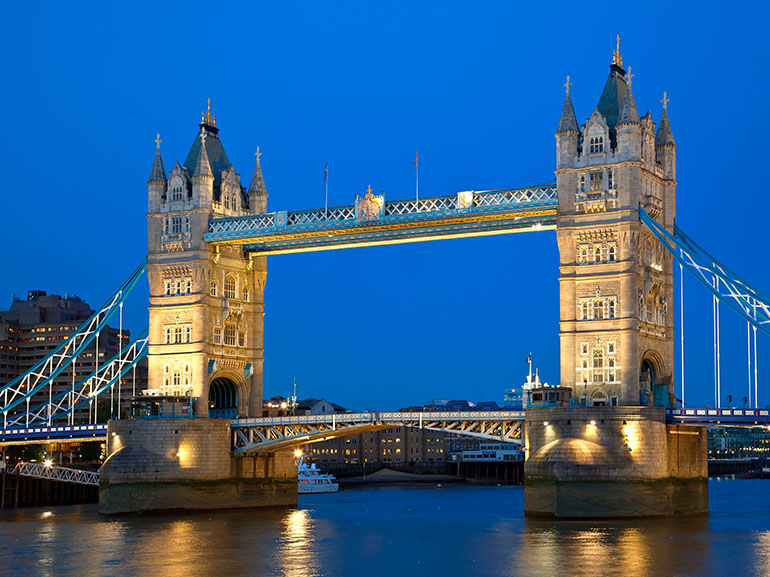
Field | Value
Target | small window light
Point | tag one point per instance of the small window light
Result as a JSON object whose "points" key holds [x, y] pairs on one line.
{"points": [[545, 423], [593, 422]]}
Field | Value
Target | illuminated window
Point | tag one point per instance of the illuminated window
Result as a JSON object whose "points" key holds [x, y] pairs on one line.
{"points": [[230, 287], [595, 181], [230, 335]]}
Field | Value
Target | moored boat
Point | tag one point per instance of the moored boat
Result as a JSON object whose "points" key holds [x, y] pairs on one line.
{"points": [[310, 479]]}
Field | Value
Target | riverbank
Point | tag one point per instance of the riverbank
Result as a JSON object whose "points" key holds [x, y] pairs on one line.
{"points": [[387, 477]]}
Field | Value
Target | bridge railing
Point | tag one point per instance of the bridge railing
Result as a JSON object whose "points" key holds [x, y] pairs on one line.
{"points": [[53, 473], [466, 202]]}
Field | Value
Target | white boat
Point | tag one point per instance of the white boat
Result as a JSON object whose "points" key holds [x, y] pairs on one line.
{"points": [[312, 480]]}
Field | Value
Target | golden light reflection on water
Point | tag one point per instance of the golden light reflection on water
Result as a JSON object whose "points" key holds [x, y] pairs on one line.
{"points": [[296, 555], [763, 553], [639, 548]]}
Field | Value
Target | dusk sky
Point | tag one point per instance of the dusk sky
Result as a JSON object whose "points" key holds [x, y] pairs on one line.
{"points": [[476, 86]]}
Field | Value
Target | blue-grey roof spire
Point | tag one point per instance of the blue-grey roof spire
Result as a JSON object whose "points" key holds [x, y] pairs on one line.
{"points": [[257, 185], [628, 112], [203, 166], [568, 121], [158, 173], [664, 137]]}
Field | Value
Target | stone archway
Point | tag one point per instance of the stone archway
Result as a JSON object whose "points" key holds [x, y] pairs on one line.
{"points": [[599, 398], [223, 399], [653, 391]]}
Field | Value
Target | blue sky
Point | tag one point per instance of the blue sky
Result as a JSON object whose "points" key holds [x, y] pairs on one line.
{"points": [[477, 86]]}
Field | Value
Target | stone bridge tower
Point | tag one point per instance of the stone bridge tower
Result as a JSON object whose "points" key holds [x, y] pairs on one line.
{"points": [[616, 283], [206, 304]]}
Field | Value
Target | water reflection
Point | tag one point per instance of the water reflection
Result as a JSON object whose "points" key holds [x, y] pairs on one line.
{"points": [[639, 547], [297, 552]]}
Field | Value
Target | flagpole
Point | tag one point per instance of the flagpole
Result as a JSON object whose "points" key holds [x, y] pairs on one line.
{"points": [[326, 182], [416, 177]]}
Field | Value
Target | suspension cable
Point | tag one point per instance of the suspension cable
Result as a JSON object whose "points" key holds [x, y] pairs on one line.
{"points": [[681, 321]]}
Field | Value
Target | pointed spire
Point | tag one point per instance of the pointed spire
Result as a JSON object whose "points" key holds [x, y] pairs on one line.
{"points": [[568, 121], [203, 166], [158, 173], [664, 137], [617, 59], [257, 185], [628, 112]]}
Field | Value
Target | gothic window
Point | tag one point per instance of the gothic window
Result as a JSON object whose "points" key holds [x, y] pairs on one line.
{"points": [[188, 334], [213, 288], [598, 366], [584, 349], [178, 286], [165, 226], [177, 334], [176, 225], [611, 309], [595, 181], [245, 293], [610, 180], [176, 189], [167, 337], [177, 378], [611, 348], [598, 309], [596, 144], [582, 181], [230, 335], [167, 287], [230, 287], [241, 338], [227, 201], [611, 253], [598, 253], [188, 286], [217, 335], [584, 310]]}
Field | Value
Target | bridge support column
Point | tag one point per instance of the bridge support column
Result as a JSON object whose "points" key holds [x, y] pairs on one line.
{"points": [[612, 462], [187, 464]]}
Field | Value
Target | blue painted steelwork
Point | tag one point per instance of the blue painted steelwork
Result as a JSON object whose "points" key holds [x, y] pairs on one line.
{"points": [[706, 416], [749, 302], [23, 387], [87, 389], [29, 435], [371, 220]]}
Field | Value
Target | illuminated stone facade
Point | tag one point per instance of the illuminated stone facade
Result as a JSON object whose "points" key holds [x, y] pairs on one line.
{"points": [[206, 303], [616, 283]]}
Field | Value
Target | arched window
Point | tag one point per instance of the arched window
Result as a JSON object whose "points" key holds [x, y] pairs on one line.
{"points": [[230, 287], [245, 293], [611, 309], [177, 334], [188, 334], [597, 254], [188, 286], [213, 288], [611, 252], [177, 378], [598, 309]]}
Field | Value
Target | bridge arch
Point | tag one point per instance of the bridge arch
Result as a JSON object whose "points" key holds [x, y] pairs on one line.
{"points": [[226, 396]]}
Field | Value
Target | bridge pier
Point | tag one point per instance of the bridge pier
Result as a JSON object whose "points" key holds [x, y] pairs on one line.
{"points": [[612, 462], [187, 464]]}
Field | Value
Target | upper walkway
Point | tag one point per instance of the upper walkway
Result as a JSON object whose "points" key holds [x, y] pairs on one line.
{"points": [[372, 221]]}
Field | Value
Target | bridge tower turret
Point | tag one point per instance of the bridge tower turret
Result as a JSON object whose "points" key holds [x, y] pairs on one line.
{"points": [[616, 281], [206, 303]]}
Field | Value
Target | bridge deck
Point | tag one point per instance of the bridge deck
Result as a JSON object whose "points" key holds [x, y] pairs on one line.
{"points": [[373, 221]]}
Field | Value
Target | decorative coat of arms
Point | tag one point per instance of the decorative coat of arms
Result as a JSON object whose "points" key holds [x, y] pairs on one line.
{"points": [[370, 208]]}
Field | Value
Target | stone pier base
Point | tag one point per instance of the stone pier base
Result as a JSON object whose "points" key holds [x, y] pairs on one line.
{"points": [[612, 462], [186, 464]]}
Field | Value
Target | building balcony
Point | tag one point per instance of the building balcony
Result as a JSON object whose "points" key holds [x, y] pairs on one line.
{"points": [[596, 200]]}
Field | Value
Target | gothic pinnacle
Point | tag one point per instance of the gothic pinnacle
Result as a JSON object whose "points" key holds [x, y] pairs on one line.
{"points": [[158, 173], [568, 121]]}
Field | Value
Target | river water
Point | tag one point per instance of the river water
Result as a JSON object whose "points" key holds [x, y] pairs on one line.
{"points": [[379, 531]]}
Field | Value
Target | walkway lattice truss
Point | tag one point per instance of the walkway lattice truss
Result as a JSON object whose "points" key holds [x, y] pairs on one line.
{"points": [[23, 387], [52, 473], [273, 433], [373, 221], [728, 287]]}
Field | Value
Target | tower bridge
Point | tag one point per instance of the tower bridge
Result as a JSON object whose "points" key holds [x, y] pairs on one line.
{"points": [[622, 449]]}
